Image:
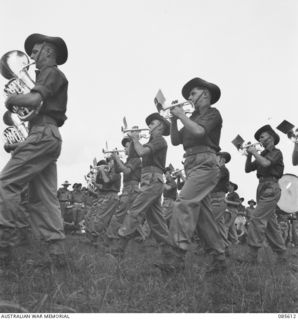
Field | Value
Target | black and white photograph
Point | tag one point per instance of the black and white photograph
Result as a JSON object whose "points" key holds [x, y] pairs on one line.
{"points": [[150, 159]]}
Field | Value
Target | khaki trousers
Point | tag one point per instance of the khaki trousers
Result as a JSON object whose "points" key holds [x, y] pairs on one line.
{"points": [[147, 204], [264, 221], [34, 163], [193, 208]]}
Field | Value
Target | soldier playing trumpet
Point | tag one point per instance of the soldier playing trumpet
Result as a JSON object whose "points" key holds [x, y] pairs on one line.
{"points": [[269, 166], [200, 138]]}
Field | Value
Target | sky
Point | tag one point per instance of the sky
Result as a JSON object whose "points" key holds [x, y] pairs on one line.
{"points": [[122, 52]]}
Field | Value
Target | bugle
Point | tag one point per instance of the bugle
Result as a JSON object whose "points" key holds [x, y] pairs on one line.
{"points": [[187, 106], [109, 152], [242, 146]]}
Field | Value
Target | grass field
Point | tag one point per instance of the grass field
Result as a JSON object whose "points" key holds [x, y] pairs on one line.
{"points": [[95, 283]]}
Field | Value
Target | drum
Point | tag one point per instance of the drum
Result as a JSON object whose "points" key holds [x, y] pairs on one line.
{"points": [[288, 201]]}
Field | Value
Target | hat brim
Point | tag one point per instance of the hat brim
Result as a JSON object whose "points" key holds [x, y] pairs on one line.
{"points": [[124, 141], [225, 155], [200, 83], [234, 185], [251, 201], [267, 128], [157, 116], [62, 52]]}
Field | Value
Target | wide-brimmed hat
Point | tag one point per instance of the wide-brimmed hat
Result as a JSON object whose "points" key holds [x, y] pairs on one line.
{"points": [[157, 116], [125, 140], [65, 183], [62, 52], [76, 185], [267, 128], [225, 155], [234, 185], [101, 163], [169, 168], [251, 201], [200, 83]]}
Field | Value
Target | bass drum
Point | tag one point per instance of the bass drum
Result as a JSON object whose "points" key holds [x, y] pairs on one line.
{"points": [[288, 201]]}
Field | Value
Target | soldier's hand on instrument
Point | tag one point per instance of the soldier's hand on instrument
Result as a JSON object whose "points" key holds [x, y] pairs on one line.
{"points": [[177, 112], [133, 135], [252, 150]]}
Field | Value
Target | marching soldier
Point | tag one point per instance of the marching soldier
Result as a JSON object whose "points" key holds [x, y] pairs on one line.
{"points": [[269, 166], [78, 204], [131, 178], [218, 196], [249, 211], [295, 154], [98, 218], [33, 162], [169, 195], [148, 201], [64, 197], [233, 201], [200, 139]]}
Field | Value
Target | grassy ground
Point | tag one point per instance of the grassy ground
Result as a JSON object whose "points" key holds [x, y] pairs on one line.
{"points": [[95, 283]]}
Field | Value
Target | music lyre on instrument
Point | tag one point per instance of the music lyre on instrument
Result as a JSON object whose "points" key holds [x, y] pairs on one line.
{"points": [[125, 129], [165, 110], [289, 129], [241, 146], [288, 201]]}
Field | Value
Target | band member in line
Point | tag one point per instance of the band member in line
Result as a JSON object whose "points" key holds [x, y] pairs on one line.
{"points": [[218, 196], [64, 197], [249, 211], [78, 205], [131, 179], [148, 201], [192, 210], [269, 166], [34, 160], [98, 219], [295, 154], [233, 201], [169, 195]]}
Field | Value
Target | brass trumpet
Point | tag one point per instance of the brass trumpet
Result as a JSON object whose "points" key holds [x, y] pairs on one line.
{"points": [[106, 152], [238, 142], [165, 110], [125, 130]]}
